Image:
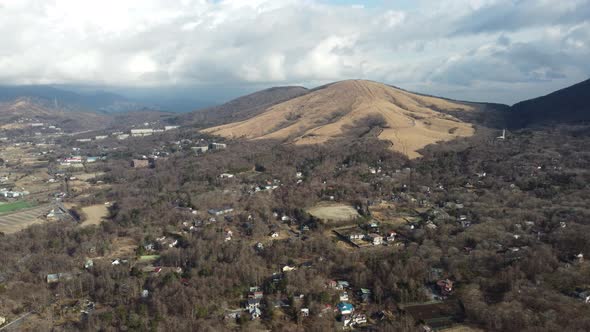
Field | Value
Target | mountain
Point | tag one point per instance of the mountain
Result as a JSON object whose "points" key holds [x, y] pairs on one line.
{"points": [[357, 108], [243, 107], [571, 104], [21, 112], [68, 100]]}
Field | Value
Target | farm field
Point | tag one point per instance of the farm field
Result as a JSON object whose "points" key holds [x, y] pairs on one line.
{"points": [[16, 221], [13, 207]]}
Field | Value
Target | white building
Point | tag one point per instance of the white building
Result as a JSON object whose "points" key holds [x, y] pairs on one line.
{"points": [[141, 132], [218, 146]]}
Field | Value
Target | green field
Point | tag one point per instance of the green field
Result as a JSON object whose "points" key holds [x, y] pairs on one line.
{"points": [[12, 207]]}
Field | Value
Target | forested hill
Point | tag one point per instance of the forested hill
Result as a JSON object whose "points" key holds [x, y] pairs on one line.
{"points": [[571, 104]]}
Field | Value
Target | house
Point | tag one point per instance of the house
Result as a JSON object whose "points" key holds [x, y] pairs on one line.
{"points": [[331, 284], [255, 313], [228, 235], [343, 296], [141, 132], [226, 175], [305, 312], [391, 236], [233, 314], [584, 296], [345, 308], [259, 246], [73, 160], [252, 303], [200, 149], [274, 234], [255, 293], [355, 236], [53, 278], [166, 128], [365, 295], [355, 319], [288, 268], [217, 146], [342, 284], [219, 212], [374, 238]]}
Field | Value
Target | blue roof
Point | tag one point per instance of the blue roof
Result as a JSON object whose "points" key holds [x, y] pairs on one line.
{"points": [[343, 306]]}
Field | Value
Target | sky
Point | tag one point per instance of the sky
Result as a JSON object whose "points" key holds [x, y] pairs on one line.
{"points": [[481, 50]]}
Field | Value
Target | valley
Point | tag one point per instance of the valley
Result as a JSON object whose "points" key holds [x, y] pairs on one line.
{"points": [[352, 206]]}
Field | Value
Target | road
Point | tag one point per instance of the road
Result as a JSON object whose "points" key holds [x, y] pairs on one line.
{"points": [[16, 322]]}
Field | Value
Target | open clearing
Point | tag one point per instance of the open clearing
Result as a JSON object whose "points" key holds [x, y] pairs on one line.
{"points": [[333, 212], [122, 247], [88, 176], [94, 214]]}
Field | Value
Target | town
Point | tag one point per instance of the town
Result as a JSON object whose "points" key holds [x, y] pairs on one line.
{"points": [[343, 236]]}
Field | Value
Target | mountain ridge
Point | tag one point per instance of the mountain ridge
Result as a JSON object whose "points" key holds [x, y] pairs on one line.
{"points": [[409, 121], [242, 107], [570, 104]]}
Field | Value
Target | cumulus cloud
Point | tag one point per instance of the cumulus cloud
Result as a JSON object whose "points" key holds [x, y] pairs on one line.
{"points": [[464, 47]]}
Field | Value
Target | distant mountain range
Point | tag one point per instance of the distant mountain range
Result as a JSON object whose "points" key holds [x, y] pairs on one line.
{"points": [[21, 112], [68, 100], [305, 116]]}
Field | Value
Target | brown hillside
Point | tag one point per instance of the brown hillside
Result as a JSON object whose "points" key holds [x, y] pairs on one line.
{"points": [[409, 121], [241, 108]]}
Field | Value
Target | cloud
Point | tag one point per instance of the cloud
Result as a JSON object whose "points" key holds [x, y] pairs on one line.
{"points": [[470, 45], [522, 14]]}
